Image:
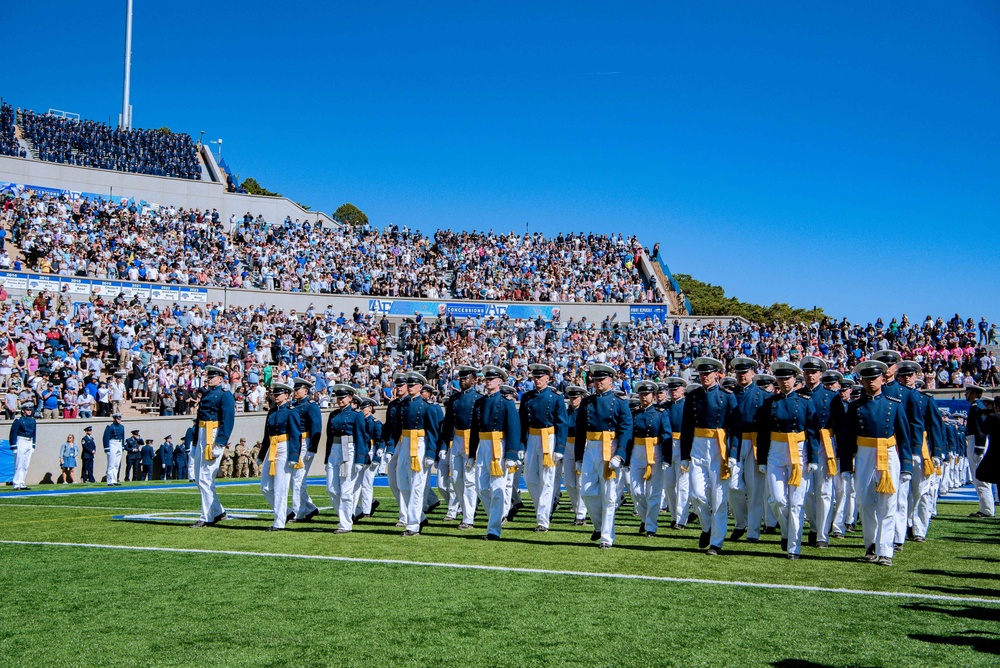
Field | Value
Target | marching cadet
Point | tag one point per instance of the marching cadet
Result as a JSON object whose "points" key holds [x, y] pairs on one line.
{"points": [[311, 422], [748, 492], [877, 447], [190, 439], [830, 412], [842, 515], [346, 456], [513, 503], [890, 386], [373, 428], [431, 500], [496, 427], [456, 431], [279, 453], [647, 455], [391, 425], [166, 454], [133, 455], [23, 437], [114, 443], [544, 427], [676, 479], [214, 424], [708, 443], [180, 461], [574, 396], [765, 381], [926, 421], [242, 459], [787, 447], [415, 435], [603, 429], [147, 454], [88, 448], [975, 439]]}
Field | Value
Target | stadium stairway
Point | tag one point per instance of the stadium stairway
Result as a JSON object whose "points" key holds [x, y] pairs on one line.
{"points": [[26, 143]]}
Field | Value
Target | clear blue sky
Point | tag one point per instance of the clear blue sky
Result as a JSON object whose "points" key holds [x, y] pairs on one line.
{"points": [[841, 156]]}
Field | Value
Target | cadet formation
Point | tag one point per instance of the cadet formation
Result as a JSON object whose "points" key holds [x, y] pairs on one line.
{"points": [[795, 450]]}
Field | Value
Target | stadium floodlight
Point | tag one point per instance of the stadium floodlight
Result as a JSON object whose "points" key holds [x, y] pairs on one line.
{"points": [[218, 142], [125, 122]]}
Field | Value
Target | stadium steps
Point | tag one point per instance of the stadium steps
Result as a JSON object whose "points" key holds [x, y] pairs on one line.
{"points": [[25, 142], [673, 299]]}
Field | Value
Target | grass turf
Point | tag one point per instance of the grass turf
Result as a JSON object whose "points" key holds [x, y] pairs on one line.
{"points": [[178, 609]]}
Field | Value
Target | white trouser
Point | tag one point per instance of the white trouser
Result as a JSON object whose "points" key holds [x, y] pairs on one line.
{"points": [[901, 520], [115, 461], [878, 511], [22, 459], [572, 480], [843, 506], [676, 488], [190, 465], [709, 492], [819, 502], [541, 479], [787, 502], [463, 483], [646, 493], [411, 484], [922, 500], [984, 490], [274, 486], [444, 481], [757, 489], [514, 488], [492, 489], [365, 491], [302, 505], [599, 494], [205, 471], [342, 484], [430, 497], [391, 472]]}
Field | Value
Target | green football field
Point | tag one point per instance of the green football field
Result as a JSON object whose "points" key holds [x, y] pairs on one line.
{"points": [[80, 588]]}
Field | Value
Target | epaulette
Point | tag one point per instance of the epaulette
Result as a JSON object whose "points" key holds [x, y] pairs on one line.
{"points": [[892, 398]]}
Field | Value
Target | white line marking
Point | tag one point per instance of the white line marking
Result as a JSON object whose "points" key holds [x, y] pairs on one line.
{"points": [[56, 505], [527, 571]]}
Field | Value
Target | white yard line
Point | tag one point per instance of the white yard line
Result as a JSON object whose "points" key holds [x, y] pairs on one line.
{"points": [[527, 571]]}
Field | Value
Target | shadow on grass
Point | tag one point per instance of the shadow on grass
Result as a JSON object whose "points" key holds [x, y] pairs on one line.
{"points": [[981, 592], [980, 643], [979, 614], [955, 574]]}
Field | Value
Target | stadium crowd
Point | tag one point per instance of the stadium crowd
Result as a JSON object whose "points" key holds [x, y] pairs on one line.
{"points": [[93, 144], [8, 140]]}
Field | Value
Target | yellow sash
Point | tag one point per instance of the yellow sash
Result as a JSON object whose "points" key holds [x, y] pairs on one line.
{"points": [[882, 446], [752, 437], [272, 451], [648, 442], [826, 438], [926, 457], [495, 438], [720, 436], [303, 447], [676, 435], [414, 436], [792, 438], [544, 433], [466, 434], [210, 427], [604, 438]]}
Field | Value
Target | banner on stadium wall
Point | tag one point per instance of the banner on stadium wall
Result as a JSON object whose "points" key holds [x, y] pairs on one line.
{"points": [[107, 289], [462, 309], [6, 462], [957, 407], [654, 311]]}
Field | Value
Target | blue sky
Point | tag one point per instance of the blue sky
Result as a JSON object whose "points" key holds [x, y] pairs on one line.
{"points": [[843, 156]]}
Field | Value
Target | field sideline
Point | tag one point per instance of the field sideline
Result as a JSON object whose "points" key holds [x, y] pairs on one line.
{"points": [[82, 588]]}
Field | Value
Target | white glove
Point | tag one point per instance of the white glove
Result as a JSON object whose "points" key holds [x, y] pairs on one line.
{"points": [[388, 458], [442, 454], [732, 463], [936, 461], [509, 463], [665, 465], [380, 452], [428, 462], [762, 468], [904, 478], [812, 468], [616, 462], [557, 457], [358, 468], [916, 460]]}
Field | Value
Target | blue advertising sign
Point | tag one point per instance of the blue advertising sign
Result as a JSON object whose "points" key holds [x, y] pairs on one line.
{"points": [[6, 462], [654, 311], [478, 310]]}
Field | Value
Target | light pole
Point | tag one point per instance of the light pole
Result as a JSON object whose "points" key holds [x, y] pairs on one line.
{"points": [[126, 120], [218, 142]]}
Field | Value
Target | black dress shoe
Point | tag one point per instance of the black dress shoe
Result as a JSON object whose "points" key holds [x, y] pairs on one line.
{"points": [[693, 517], [276, 528], [423, 523], [642, 529], [342, 531], [737, 534], [784, 545], [605, 546], [650, 534], [375, 505], [713, 551], [897, 547], [793, 556], [579, 523], [822, 544], [541, 529], [770, 531], [849, 528], [290, 517], [220, 517], [704, 539], [870, 555], [199, 524], [311, 514], [431, 507], [464, 527], [909, 533], [812, 539], [492, 536], [410, 534], [512, 513], [753, 540], [595, 536]]}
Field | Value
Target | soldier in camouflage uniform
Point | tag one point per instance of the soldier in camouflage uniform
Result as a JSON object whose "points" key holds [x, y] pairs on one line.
{"points": [[254, 464], [242, 460], [226, 465]]}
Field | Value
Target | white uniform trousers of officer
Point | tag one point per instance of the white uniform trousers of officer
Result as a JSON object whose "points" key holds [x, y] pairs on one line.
{"points": [[709, 492], [902, 519], [984, 490], [843, 502], [677, 487], [205, 471], [748, 492], [411, 483], [444, 480], [342, 483], [600, 494], [274, 486], [430, 497], [646, 492], [493, 490], [391, 474], [191, 477], [22, 459], [302, 504], [878, 511], [541, 479], [463, 482], [787, 501], [365, 490], [819, 502], [572, 481], [922, 499], [115, 460]]}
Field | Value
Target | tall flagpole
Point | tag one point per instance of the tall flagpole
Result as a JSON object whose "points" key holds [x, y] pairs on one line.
{"points": [[126, 118]]}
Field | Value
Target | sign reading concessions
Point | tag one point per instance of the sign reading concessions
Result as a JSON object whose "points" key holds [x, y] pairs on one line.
{"points": [[477, 310], [654, 311]]}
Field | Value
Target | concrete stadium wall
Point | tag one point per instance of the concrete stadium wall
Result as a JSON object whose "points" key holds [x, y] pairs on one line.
{"points": [[159, 189]]}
